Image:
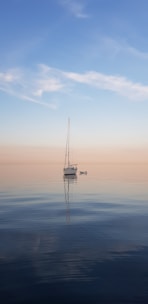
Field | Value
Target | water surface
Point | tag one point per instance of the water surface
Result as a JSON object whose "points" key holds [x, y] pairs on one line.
{"points": [[82, 240]]}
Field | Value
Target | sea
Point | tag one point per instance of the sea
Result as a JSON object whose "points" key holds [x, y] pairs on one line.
{"points": [[74, 240]]}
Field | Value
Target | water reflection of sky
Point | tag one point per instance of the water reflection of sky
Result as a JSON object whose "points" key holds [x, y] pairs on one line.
{"points": [[89, 233]]}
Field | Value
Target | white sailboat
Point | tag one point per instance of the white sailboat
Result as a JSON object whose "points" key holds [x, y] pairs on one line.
{"points": [[69, 169]]}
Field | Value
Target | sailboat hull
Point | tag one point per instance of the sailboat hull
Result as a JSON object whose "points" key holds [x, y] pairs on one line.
{"points": [[70, 171]]}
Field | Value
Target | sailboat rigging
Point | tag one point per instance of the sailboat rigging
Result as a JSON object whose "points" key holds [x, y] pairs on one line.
{"points": [[69, 169]]}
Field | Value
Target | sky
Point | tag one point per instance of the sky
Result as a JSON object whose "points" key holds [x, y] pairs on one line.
{"points": [[83, 59]]}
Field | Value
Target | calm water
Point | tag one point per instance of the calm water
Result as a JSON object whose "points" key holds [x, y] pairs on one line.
{"points": [[81, 240]]}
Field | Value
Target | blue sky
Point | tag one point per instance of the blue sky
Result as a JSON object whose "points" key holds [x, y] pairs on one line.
{"points": [[83, 59]]}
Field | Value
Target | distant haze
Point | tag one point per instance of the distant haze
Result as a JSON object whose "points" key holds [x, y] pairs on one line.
{"points": [[19, 154]]}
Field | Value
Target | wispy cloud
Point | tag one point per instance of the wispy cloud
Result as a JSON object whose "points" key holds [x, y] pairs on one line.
{"points": [[136, 52], [117, 84], [46, 82], [42, 85], [116, 47], [31, 85], [9, 76], [27, 98], [75, 7]]}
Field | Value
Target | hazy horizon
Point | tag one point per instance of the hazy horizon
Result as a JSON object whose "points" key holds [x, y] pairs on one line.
{"points": [[34, 154]]}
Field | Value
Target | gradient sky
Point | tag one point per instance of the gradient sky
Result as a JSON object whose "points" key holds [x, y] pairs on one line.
{"points": [[86, 59]]}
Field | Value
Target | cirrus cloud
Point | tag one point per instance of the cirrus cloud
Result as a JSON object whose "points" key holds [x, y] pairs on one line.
{"points": [[75, 7], [42, 84], [117, 84]]}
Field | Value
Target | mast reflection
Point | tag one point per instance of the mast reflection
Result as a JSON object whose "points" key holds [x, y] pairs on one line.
{"points": [[68, 180]]}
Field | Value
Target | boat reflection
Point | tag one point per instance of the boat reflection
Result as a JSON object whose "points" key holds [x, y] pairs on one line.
{"points": [[68, 180]]}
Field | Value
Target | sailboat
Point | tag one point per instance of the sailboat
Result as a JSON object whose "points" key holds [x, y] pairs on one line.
{"points": [[69, 169]]}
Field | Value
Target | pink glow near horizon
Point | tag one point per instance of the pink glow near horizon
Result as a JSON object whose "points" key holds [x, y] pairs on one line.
{"points": [[53, 155]]}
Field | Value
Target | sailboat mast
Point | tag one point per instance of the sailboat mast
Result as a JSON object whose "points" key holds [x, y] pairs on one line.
{"points": [[69, 169], [68, 139], [67, 160]]}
